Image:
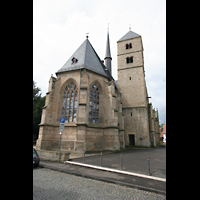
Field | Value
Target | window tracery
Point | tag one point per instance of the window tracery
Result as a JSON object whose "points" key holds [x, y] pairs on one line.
{"points": [[69, 107], [94, 105]]}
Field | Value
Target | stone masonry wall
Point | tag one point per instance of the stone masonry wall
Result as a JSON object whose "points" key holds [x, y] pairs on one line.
{"points": [[80, 135], [132, 85]]}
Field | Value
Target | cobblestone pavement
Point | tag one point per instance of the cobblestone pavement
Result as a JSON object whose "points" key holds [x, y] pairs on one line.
{"points": [[49, 184]]}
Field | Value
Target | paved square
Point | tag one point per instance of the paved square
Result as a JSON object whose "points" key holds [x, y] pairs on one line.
{"points": [[133, 161]]}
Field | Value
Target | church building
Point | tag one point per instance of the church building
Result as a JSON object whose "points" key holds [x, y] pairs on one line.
{"points": [[100, 113]]}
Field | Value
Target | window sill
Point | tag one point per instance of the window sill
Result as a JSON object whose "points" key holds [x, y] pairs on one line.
{"points": [[70, 124]]}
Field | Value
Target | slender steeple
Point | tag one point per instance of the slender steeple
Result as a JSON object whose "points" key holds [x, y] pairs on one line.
{"points": [[108, 57]]}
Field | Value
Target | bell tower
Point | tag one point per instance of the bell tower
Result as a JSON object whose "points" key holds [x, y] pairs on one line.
{"points": [[132, 85]]}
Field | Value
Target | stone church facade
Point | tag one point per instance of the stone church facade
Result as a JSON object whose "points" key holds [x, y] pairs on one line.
{"points": [[100, 113]]}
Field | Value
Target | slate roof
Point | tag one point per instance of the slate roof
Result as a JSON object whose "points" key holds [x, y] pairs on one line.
{"points": [[87, 58], [108, 54], [116, 84], [128, 36]]}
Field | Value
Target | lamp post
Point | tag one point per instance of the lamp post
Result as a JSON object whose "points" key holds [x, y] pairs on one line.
{"points": [[60, 145]]}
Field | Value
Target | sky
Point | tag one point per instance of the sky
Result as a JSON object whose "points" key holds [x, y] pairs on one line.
{"points": [[60, 27]]}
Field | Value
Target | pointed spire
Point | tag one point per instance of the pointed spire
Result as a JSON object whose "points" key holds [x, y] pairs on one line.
{"points": [[108, 57]]}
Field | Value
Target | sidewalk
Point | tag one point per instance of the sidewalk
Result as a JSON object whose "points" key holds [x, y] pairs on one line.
{"points": [[158, 187]]}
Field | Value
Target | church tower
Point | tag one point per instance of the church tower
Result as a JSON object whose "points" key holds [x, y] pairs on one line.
{"points": [[132, 86], [108, 57]]}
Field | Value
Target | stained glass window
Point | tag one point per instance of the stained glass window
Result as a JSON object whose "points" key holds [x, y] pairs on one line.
{"points": [[94, 105], [69, 107]]}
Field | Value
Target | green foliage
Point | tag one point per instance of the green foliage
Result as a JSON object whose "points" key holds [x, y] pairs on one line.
{"points": [[161, 126], [38, 103]]}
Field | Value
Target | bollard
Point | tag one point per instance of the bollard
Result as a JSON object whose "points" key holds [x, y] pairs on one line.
{"points": [[84, 157], [121, 161], [101, 160], [148, 165]]}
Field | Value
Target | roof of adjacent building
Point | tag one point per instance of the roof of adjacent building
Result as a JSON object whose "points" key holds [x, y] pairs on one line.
{"points": [[161, 133], [128, 36], [87, 58], [164, 128]]}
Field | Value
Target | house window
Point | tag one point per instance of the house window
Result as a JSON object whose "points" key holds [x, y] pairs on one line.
{"points": [[94, 105], [69, 107]]}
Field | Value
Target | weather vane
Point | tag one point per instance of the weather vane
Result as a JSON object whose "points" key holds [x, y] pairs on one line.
{"points": [[87, 35]]}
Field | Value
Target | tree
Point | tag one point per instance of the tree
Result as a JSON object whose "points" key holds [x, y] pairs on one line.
{"points": [[162, 125], [38, 103]]}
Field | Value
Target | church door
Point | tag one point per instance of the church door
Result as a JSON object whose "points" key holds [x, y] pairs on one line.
{"points": [[132, 140]]}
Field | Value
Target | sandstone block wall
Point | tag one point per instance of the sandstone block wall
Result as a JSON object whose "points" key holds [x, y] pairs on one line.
{"points": [[137, 125], [132, 85], [80, 135]]}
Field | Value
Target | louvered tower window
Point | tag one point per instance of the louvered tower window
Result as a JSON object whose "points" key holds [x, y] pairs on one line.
{"points": [[69, 107], [94, 105], [129, 59]]}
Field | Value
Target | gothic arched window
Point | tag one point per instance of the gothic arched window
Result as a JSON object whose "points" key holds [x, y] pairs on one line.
{"points": [[69, 106], [94, 105]]}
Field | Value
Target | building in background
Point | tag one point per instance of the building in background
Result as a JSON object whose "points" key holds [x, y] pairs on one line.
{"points": [[163, 133]]}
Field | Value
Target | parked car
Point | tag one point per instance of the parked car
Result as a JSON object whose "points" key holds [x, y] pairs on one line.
{"points": [[36, 158]]}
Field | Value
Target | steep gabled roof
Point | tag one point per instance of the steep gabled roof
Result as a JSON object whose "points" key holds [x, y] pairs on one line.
{"points": [[87, 58], [128, 36]]}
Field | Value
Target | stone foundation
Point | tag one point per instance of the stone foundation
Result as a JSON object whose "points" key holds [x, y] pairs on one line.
{"points": [[53, 155]]}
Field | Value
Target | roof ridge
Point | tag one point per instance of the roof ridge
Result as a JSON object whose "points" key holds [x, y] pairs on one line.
{"points": [[102, 65], [86, 40], [129, 35], [86, 58]]}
